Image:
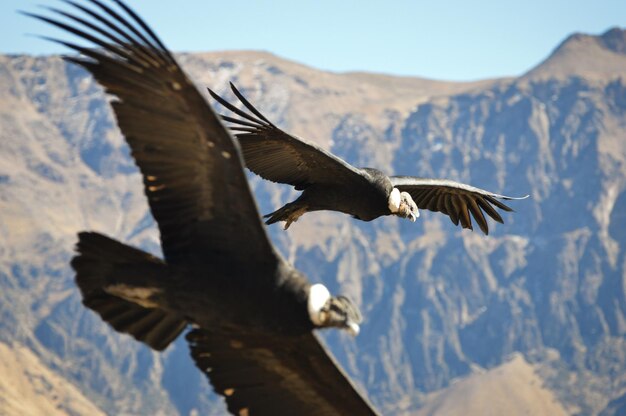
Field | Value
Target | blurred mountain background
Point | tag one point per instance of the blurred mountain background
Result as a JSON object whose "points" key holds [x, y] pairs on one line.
{"points": [[528, 320]]}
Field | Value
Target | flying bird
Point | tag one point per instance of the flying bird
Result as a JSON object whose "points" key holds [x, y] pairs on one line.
{"points": [[330, 183], [251, 314]]}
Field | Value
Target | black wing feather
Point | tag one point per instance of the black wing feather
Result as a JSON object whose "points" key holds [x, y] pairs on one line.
{"points": [[422, 196], [249, 106], [189, 162], [477, 214], [489, 209], [151, 326], [280, 157], [454, 216], [466, 220], [255, 122], [262, 375]]}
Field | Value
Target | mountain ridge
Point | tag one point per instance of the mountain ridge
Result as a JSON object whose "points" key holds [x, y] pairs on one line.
{"points": [[440, 304], [584, 55]]}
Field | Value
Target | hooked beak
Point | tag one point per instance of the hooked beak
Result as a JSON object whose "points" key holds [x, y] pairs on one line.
{"points": [[406, 212]]}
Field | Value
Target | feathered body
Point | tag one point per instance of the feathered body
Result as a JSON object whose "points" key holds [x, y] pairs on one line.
{"points": [[365, 201]]}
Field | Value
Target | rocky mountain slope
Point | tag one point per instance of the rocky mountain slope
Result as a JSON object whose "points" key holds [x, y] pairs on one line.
{"points": [[440, 304], [513, 388], [29, 388]]}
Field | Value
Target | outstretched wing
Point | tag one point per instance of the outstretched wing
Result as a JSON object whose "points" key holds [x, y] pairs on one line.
{"points": [[280, 157], [262, 375], [191, 166], [454, 199]]}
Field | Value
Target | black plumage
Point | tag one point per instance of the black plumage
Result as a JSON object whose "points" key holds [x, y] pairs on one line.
{"points": [[252, 313], [330, 183]]}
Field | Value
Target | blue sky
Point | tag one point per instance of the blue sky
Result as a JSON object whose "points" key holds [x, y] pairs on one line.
{"points": [[449, 40]]}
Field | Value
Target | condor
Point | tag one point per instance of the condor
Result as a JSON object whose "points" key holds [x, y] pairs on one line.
{"points": [[330, 183]]}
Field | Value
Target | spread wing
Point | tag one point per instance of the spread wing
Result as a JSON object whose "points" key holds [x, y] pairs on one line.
{"points": [[280, 157], [191, 166], [261, 375], [454, 199]]}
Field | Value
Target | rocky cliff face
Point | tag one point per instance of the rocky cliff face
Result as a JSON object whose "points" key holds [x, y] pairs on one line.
{"points": [[439, 303]]}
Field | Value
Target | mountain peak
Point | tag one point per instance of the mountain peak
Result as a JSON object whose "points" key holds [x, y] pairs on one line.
{"points": [[614, 39], [581, 54]]}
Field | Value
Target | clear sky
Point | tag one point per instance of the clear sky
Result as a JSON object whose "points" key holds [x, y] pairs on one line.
{"points": [[449, 40]]}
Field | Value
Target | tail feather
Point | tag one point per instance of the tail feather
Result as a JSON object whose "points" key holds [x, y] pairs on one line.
{"points": [[103, 262]]}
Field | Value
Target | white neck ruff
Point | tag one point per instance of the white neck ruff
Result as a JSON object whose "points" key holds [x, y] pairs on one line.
{"points": [[318, 296], [394, 200]]}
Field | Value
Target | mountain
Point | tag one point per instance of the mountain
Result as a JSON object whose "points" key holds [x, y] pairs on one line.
{"points": [[445, 309], [591, 57], [513, 388], [29, 388]]}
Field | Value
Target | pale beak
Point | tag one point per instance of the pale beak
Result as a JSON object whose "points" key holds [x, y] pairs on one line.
{"points": [[353, 329], [415, 216]]}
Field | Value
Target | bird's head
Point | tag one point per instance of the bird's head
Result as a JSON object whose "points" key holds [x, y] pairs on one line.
{"points": [[326, 311], [402, 205], [408, 207]]}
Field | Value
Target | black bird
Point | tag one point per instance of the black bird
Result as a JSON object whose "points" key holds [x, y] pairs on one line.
{"points": [[252, 314], [330, 183]]}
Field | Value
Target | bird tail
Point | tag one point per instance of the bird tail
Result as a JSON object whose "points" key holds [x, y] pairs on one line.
{"points": [[114, 280]]}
